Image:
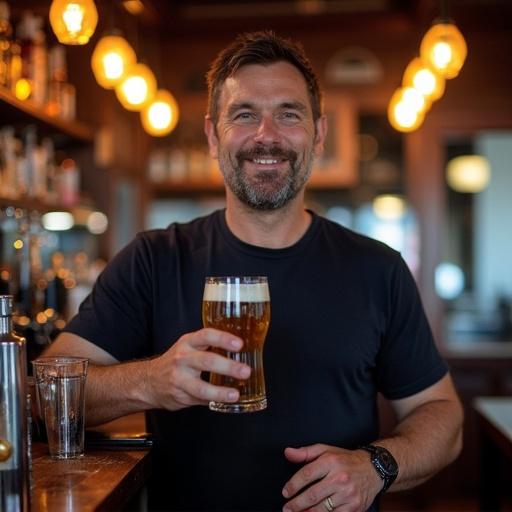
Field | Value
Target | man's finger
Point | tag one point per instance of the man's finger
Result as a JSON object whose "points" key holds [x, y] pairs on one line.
{"points": [[305, 453], [208, 337]]}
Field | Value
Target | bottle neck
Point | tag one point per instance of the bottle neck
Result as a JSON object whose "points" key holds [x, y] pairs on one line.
{"points": [[5, 325]]}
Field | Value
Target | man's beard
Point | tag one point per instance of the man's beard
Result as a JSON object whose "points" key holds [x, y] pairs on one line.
{"points": [[268, 189]]}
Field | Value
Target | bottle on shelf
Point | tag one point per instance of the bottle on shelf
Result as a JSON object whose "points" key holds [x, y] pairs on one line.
{"points": [[32, 82], [61, 94], [5, 44]]}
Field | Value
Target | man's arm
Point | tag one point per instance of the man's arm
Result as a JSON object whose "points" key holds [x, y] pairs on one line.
{"points": [[428, 436], [170, 381]]}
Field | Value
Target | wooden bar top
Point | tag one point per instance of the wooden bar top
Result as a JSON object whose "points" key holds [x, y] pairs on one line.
{"points": [[101, 480]]}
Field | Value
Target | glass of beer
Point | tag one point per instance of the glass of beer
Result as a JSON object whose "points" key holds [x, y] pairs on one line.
{"points": [[240, 305]]}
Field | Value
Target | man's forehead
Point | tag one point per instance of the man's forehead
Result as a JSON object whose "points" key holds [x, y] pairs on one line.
{"points": [[265, 78]]}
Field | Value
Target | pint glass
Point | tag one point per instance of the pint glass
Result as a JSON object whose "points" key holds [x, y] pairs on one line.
{"points": [[241, 306]]}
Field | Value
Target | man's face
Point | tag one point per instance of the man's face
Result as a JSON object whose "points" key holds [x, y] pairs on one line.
{"points": [[265, 138]]}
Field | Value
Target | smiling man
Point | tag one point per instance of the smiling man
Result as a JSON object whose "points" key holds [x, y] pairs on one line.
{"points": [[346, 323]]}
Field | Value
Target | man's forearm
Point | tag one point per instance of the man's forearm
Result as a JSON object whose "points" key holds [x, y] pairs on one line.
{"points": [[116, 390], [425, 441]]}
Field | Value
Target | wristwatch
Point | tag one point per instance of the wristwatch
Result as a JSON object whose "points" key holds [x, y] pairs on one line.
{"points": [[384, 463]]}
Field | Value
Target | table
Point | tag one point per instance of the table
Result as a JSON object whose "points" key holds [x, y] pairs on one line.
{"points": [[102, 480], [495, 428]]}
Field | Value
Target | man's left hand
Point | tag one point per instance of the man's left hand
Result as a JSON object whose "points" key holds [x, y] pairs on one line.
{"points": [[331, 479]]}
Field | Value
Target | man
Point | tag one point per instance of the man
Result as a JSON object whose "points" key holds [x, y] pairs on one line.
{"points": [[346, 323]]}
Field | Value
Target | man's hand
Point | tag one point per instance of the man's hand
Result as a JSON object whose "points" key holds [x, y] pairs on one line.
{"points": [[175, 376], [347, 477]]}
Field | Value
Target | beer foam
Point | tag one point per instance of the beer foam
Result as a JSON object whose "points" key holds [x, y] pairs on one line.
{"points": [[242, 292]]}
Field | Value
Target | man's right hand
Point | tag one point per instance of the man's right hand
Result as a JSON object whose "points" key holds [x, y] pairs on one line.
{"points": [[175, 376], [170, 381]]}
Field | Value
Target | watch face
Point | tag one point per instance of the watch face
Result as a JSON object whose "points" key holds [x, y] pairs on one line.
{"points": [[387, 462]]}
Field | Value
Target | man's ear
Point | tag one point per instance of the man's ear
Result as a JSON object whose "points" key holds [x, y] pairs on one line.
{"points": [[320, 135], [211, 135]]}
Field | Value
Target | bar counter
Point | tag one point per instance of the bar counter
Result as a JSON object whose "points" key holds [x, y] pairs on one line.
{"points": [[101, 480]]}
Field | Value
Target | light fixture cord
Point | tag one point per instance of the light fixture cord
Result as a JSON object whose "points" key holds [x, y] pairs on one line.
{"points": [[445, 11]]}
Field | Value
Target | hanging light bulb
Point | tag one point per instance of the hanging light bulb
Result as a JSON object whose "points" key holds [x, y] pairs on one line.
{"points": [[137, 88], [444, 48], [73, 21], [406, 109], [161, 115], [111, 59], [422, 76]]}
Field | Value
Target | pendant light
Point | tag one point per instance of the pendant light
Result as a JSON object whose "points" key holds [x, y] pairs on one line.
{"points": [[73, 21], [161, 115], [423, 77], [444, 48], [111, 59], [137, 88], [406, 109]]}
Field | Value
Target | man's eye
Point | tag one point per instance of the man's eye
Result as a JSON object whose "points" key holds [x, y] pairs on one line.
{"points": [[243, 116], [290, 116]]}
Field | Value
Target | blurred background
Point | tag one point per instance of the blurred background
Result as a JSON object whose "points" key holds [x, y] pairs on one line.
{"points": [[82, 170]]}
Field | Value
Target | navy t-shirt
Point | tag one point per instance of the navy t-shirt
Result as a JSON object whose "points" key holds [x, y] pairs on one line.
{"points": [[346, 322]]}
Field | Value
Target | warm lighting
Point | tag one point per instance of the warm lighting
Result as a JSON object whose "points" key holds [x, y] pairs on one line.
{"points": [[444, 48], [406, 109], [137, 88], [469, 173], [111, 58], [18, 244], [134, 7], [57, 221], [161, 115], [424, 79], [73, 21], [22, 89], [389, 207]]}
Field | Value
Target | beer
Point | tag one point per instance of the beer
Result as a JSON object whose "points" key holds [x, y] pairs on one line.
{"points": [[241, 306]]}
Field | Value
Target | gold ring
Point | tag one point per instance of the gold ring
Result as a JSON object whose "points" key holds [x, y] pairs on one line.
{"points": [[328, 504]]}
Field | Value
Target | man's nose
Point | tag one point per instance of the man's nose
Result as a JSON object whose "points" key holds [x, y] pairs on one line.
{"points": [[268, 131]]}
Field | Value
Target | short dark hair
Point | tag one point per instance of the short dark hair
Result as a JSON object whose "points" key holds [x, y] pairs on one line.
{"points": [[262, 47]]}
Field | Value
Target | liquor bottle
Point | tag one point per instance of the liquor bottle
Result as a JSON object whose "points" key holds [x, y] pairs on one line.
{"points": [[14, 422], [5, 44]]}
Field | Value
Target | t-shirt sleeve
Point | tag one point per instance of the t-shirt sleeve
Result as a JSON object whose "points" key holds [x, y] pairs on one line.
{"points": [[409, 361], [116, 315]]}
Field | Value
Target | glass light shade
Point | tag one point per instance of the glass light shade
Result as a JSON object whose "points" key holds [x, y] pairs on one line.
{"points": [[137, 88], [111, 59], [424, 78], [444, 48], [404, 113], [160, 116], [468, 173], [73, 21]]}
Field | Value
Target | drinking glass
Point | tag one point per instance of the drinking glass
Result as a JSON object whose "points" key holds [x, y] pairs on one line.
{"points": [[240, 305]]}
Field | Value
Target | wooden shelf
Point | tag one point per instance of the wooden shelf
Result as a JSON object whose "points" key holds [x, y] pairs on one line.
{"points": [[17, 112], [31, 204]]}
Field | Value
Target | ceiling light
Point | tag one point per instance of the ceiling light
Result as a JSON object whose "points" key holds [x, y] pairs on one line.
{"points": [[405, 112], [444, 48], [111, 59], [137, 88], [160, 116], [73, 21], [423, 77]]}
